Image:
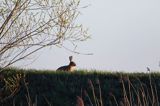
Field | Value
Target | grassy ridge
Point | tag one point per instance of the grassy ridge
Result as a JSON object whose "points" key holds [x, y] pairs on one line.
{"points": [[62, 88]]}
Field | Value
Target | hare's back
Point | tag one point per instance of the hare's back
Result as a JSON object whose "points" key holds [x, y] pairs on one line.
{"points": [[63, 68]]}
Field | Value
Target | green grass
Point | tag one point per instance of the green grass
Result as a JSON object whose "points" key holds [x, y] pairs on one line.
{"points": [[62, 88]]}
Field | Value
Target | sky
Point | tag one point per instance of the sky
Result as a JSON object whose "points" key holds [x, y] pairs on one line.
{"points": [[125, 36]]}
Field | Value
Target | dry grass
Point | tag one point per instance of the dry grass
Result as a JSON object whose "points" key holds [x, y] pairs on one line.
{"points": [[132, 95]]}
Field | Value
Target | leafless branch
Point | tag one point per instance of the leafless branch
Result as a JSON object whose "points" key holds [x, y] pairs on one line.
{"points": [[27, 26]]}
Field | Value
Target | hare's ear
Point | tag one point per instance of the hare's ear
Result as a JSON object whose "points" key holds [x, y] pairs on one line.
{"points": [[70, 58]]}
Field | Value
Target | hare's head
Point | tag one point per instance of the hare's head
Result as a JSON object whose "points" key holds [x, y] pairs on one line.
{"points": [[72, 64]]}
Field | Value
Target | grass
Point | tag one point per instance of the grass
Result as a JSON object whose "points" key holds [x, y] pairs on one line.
{"points": [[97, 88]]}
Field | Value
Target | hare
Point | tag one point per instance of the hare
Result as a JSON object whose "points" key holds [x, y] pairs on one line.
{"points": [[70, 68]]}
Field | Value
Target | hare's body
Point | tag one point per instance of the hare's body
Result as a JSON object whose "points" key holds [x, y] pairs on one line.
{"points": [[71, 67], [66, 68], [62, 68]]}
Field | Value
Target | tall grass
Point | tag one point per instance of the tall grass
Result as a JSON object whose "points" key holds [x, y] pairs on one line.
{"points": [[133, 95], [132, 90]]}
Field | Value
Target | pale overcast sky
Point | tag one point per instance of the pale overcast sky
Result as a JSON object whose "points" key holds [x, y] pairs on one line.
{"points": [[125, 36]]}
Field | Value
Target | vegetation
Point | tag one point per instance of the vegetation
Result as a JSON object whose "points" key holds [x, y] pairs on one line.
{"points": [[88, 88], [27, 26]]}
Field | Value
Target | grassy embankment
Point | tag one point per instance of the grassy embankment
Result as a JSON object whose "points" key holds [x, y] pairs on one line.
{"points": [[42, 88]]}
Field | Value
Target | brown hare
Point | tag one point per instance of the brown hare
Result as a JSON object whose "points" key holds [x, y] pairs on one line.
{"points": [[70, 68]]}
